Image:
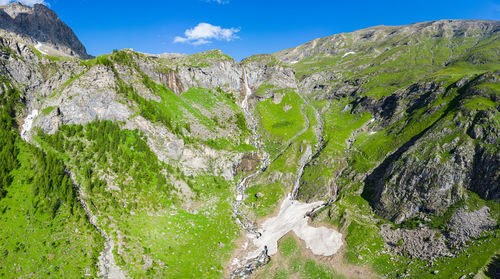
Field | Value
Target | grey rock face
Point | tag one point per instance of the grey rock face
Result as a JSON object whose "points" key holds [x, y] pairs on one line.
{"points": [[486, 174], [422, 243], [90, 97], [43, 25], [425, 243], [269, 72], [223, 74], [465, 226], [428, 185], [435, 168]]}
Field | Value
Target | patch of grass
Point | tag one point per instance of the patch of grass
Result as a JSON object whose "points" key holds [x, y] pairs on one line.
{"points": [[208, 99], [264, 89], [280, 274], [282, 120], [192, 245], [264, 198], [365, 247], [314, 271], [288, 246], [48, 110]]}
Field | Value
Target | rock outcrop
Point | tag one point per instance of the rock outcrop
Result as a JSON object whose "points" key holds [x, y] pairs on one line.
{"points": [[44, 26], [434, 169]]}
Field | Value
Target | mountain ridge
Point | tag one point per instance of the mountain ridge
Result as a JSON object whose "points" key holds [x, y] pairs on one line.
{"points": [[43, 25]]}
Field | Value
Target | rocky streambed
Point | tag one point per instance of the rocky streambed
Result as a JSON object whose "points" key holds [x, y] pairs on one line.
{"points": [[261, 241]]}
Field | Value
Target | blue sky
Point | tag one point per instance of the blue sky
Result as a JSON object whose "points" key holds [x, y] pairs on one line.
{"points": [[242, 28]]}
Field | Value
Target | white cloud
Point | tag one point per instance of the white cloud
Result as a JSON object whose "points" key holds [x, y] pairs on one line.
{"points": [[25, 2], [218, 1], [204, 33]]}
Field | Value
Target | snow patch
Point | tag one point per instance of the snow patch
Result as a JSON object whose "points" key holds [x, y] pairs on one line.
{"points": [[28, 124], [350, 52], [39, 47], [321, 241]]}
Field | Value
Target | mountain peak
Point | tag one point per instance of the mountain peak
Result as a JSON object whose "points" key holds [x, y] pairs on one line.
{"points": [[43, 25]]}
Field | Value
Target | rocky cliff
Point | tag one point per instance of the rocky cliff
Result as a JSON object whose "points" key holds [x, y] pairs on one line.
{"points": [[42, 25]]}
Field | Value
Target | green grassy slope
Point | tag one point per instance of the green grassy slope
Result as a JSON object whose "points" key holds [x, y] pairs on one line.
{"points": [[143, 211], [356, 145], [44, 231]]}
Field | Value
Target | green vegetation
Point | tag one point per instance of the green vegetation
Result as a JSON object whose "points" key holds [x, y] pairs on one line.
{"points": [[170, 237], [8, 136], [122, 153], [265, 198], [293, 264], [48, 110], [43, 229], [281, 122], [288, 246]]}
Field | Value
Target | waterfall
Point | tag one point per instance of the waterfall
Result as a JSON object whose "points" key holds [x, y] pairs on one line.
{"points": [[28, 123], [302, 163], [296, 185], [248, 91]]}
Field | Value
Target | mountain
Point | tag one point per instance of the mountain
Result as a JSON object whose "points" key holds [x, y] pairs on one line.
{"points": [[42, 25], [369, 154]]}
